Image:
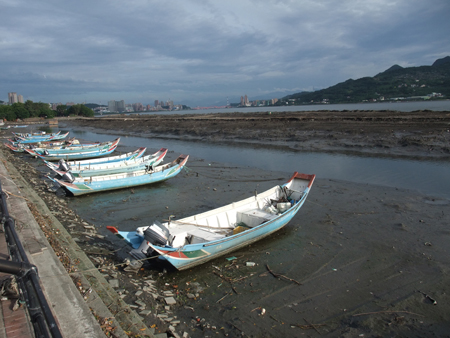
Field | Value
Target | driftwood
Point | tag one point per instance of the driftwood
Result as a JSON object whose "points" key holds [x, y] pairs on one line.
{"points": [[277, 275], [227, 279]]}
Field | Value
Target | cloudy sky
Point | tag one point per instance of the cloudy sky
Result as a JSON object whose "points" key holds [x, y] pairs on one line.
{"points": [[199, 52]]}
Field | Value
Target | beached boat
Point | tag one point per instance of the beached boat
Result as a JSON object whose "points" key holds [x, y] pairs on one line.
{"points": [[19, 147], [38, 134], [73, 153], [87, 185], [14, 148], [58, 136], [85, 164], [17, 141], [195, 240], [109, 168], [70, 148]]}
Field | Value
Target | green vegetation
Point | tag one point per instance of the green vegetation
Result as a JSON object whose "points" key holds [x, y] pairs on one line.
{"points": [[32, 109], [80, 110], [396, 83]]}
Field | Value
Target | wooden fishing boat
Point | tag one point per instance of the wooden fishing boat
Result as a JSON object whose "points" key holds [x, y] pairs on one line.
{"points": [[36, 134], [197, 239], [68, 148], [85, 164], [80, 186], [64, 165], [73, 153], [109, 168], [19, 147], [44, 138]]}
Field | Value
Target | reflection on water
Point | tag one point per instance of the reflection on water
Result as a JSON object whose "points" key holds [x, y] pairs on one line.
{"points": [[430, 176]]}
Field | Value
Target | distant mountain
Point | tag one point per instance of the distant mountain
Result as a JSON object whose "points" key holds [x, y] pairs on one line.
{"points": [[442, 61], [394, 83], [394, 67]]}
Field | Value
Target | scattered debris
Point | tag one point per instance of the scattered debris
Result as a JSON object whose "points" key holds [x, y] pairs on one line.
{"points": [[434, 302], [281, 276]]}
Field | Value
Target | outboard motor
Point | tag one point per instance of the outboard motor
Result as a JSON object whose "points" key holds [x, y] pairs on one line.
{"points": [[142, 252], [68, 177], [63, 166], [157, 234]]}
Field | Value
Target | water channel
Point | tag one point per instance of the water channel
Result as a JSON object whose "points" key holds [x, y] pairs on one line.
{"points": [[429, 176]]}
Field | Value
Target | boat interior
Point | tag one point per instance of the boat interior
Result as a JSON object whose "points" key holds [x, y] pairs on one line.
{"points": [[235, 217]]}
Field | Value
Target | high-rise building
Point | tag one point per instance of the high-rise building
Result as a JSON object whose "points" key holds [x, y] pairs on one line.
{"points": [[112, 106], [116, 106], [20, 98], [120, 106], [138, 106], [12, 98]]}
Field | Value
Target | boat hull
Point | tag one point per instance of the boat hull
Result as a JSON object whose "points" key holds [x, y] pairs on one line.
{"points": [[255, 225], [75, 153], [196, 254], [85, 164], [118, 167], [126, 180], [42, 139]]}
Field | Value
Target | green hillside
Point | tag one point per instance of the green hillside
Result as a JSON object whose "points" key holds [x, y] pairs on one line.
{"points": [[396, 83]]}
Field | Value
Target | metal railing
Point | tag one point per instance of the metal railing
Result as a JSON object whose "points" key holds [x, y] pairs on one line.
{"points": [[41, 316]]}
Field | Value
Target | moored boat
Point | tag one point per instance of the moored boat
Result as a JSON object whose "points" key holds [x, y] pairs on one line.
{"points": [[73, 153], [36, 134], [44, 138], [72, 148], [195, 240], [141, 163], [19, 147], [87, 185], [85, 164]]}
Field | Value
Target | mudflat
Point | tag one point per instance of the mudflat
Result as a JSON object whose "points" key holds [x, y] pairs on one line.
{"points": [[418, 133], [358, 260]]}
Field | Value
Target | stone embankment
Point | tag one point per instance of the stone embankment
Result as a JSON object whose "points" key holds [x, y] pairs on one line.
{"points": [[124, 298]]}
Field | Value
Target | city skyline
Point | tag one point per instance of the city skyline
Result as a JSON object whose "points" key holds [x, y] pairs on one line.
{"points": [[199, 53], [120, 105]]}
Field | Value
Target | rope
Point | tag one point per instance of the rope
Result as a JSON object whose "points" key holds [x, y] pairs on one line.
{"points": [[9, 193]]}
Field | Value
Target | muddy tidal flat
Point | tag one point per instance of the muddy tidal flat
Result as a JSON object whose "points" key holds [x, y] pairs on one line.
{"points": [[358, 260]]}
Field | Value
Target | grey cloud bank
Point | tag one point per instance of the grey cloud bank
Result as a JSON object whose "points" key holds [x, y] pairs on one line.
{"points": [[200, 52]]}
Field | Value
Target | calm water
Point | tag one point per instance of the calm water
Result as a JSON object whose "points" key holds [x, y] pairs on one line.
{"points": [[430, 177]]}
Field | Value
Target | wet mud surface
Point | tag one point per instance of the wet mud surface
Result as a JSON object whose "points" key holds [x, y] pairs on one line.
{"points": [[420, 133], [357, 260]]}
